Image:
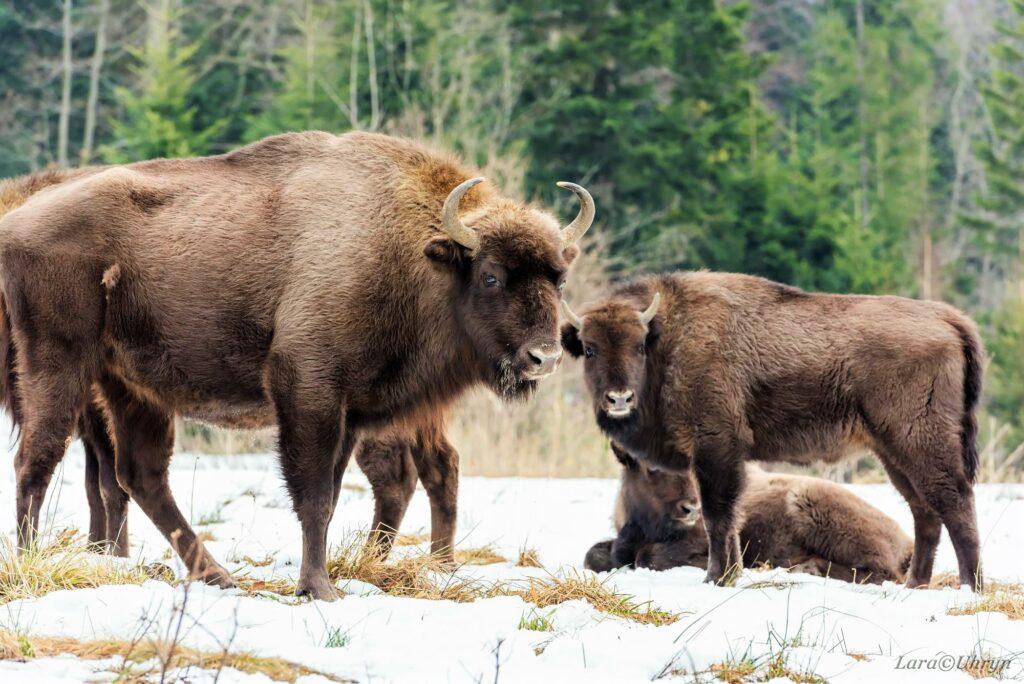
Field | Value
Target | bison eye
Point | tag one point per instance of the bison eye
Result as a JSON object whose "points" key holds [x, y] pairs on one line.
{"points": [[641, 349], [491, 281], [561, 286], [589, 351]]}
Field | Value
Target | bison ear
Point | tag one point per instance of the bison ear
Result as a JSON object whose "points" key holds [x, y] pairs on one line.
{"points": [[444, 250], [571, 340], [570, 253]]}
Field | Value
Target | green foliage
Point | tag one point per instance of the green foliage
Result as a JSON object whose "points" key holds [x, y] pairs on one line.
{"points": [[158, 119], [1005, 388]]}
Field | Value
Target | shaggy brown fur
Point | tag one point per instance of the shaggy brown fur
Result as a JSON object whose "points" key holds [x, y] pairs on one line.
{"points": [[301, 280], [735, 367], [803, 523]]}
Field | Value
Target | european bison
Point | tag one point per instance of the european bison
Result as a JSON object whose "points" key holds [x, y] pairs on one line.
{"points": [[330, 284], [733, 367], [789, 521]]}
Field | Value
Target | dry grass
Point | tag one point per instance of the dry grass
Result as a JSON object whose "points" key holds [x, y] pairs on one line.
{"points": [[423, 576], [483, 555], [23, 648], [743, 670], [419, 576], [575, 586], [411, 539], [529, 558], [65, 562], [1007, 599]]}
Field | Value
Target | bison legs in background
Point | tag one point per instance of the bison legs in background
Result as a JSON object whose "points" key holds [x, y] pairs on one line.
{"points": [[392, 465], [389, 467], [108, 503]]}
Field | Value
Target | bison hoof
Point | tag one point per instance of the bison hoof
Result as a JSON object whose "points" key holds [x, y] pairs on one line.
{"points": [[216, 577], [318, 589]]}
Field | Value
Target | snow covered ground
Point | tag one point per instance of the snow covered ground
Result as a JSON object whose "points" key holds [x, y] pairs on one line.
{"points": [[840, 632]]}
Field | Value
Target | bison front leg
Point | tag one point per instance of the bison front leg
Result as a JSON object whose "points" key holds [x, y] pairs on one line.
{"points": [[437, 462], [310, 421], [720, 473]]}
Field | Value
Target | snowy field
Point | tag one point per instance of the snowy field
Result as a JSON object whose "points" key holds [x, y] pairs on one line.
{"points": [[840, 632]]}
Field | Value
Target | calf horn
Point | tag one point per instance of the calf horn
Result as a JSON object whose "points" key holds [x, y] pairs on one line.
{"points": [[647, 316], [575, 230], [450, 221], [576, 321]]}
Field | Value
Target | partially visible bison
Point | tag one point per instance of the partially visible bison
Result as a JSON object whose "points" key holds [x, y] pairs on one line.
{"points": [[332, 285], [789, 521], [708, 370]]}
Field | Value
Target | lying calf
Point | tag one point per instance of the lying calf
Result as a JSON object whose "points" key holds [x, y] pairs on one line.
{"points": [[733, 368], [802, 523]]}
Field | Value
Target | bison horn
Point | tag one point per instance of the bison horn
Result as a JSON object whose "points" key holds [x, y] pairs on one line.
{"points": [[647, 316], [450, 222], [575, 230], [576, 321]]}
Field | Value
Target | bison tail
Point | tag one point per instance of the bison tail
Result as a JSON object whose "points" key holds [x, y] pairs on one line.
{"points": [[974, 355], [8, 370]]}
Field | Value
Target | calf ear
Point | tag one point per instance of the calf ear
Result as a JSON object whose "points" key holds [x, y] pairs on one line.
{"points": [[571, 341], [445, 251]]}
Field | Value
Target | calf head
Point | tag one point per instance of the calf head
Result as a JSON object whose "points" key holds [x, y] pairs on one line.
{"points": [[613, 338], [668, 502], [511, 262]]}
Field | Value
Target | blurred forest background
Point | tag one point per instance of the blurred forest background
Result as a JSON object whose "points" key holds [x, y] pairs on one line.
{"points": [[870, 146]]}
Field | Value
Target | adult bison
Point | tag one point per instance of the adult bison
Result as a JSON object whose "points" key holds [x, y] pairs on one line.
{"points": [[325, 283], [734, 367], [803, 523]]}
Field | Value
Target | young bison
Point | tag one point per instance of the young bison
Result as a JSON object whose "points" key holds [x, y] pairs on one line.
{"points": [[734, 367], [803, 523]]}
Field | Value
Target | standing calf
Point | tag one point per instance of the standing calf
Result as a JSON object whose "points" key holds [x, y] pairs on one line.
{"points": [[802, 523], [731, 367]]}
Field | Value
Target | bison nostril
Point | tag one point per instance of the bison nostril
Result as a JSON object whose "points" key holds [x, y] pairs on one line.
{"points": [[623, 398], [541, 356]]}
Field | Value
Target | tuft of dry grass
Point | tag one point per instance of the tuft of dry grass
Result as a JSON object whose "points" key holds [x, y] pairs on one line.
{"points": [[411, 539], [24, 648], [65, 562], [420, 576], [555, 589], [1007, 599], [529, 558], [483, 555], [734, 671]]}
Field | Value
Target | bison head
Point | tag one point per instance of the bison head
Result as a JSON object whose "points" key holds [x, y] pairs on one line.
{"points": [[613, 339], [669, 500], [510, 261]]}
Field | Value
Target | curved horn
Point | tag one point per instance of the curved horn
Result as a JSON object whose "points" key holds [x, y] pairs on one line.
{"points": [[575, 230], [576, 321], [450, 222], [647, 316]]}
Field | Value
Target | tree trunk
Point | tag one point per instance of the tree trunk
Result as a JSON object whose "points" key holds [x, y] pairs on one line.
{"points": [[65, 93], [95, 71], [862, 116]]}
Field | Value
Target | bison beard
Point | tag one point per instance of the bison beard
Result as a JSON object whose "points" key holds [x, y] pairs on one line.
{"points": [[325, 283]]}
